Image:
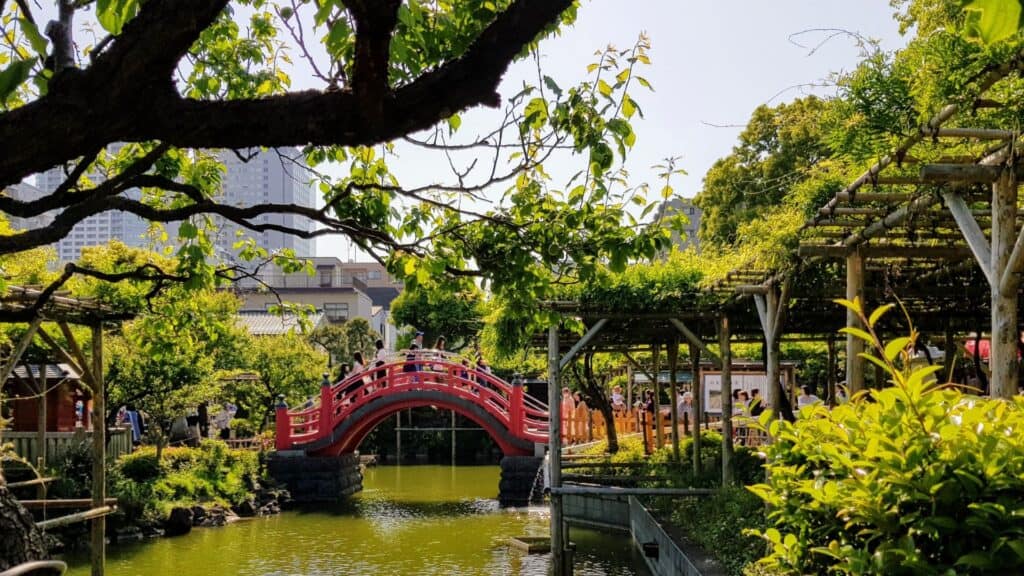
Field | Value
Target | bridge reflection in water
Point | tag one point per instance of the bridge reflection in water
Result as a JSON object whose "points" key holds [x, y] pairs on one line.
{"points": [[410, 520]]}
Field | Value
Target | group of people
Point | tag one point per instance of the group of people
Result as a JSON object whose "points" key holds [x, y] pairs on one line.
{"points": [[417, 359]]}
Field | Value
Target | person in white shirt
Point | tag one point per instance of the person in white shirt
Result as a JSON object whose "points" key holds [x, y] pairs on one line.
{"points": [[806, 398]]}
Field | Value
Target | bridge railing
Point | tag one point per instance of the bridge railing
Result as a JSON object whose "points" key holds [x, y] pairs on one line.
{"points": [[524, 416]]}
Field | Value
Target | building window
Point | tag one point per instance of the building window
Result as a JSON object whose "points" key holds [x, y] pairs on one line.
{"points": [[325, 275], [336, 311], [373, 275]]}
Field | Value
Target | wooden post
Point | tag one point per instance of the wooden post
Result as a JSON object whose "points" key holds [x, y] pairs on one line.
{"points": [[659, 433], [629, 386], [698, 408], [398, 437], [950, 350], [453, 434], [854, 345], [558, 563], [830, 370], [673, 362], [725, 353], [99, 455], [1005, 334]]}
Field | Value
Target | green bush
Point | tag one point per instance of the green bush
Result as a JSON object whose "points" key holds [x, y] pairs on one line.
{"points": [[914, 479], [243, 428], [184, 476], [140, 466], [718, 523], [73, 471]]}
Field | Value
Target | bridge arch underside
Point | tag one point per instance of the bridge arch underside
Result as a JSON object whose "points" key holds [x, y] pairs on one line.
{"points": [[347, 436]]}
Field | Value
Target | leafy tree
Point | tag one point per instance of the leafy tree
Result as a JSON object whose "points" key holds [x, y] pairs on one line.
{"points": [[386, 70], [287, 365], [361, 338], [333, 339], [167, 362], [455, 314], [778, 149]]}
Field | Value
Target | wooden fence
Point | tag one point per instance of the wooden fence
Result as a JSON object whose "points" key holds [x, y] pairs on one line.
{"points": [[26, 444], [584, 425]]}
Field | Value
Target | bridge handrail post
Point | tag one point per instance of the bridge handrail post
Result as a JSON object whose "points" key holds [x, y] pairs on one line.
{"points": [[282, 425], [326, 405], [515, 406]]}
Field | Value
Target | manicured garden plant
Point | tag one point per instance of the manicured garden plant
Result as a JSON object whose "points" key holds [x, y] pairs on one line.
{"points": [[918, 478]]}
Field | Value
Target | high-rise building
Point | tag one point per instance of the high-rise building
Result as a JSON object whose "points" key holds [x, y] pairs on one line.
{"points": [[686, 207], [103, 227], [268, 176], [26, 193], [261, 177]]}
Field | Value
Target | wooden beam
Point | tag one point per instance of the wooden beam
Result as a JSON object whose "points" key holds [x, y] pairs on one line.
{"points": [[76, 351], [578, 346], [98, 547], [19, 349], [64, 503], [1005, 331], [727, 448], [854, 345], [77, 517], [673, 363], [969, 173], [750, 289], [693, 339], [555, 454], [887, 251], [976, 133], [63, 354], [972, 232]]}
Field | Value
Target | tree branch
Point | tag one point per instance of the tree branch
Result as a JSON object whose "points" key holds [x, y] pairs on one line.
{"points": [[128, 95]]}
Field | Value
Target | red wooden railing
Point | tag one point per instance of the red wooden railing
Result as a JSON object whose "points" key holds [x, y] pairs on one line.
{"points": [[406, 372]]}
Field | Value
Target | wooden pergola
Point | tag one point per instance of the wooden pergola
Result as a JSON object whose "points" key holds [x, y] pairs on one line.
{"points": [[36, 308]]}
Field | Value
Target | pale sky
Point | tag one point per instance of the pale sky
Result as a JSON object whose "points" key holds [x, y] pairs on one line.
{"points": [[713, 63]]}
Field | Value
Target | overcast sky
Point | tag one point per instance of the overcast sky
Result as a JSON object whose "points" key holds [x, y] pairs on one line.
{"points": [[713, 62]]}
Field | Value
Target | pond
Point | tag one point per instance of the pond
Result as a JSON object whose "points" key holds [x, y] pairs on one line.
{"points": [[416, 520]]}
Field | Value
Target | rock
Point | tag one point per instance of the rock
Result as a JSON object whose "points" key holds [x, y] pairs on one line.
{"points": [[127, 534], [178, 522], [152, 531], [247, 509], [198, 515], [270, 508], [215, 516]]}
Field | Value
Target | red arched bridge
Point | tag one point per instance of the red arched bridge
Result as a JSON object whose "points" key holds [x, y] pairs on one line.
{"points": [[347, 411]]}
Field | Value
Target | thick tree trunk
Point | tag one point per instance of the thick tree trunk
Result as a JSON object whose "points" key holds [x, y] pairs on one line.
{"points": [[20, 539]]}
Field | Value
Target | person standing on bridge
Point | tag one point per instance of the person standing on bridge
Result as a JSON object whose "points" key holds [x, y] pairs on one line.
{"points": [[381, 358]]}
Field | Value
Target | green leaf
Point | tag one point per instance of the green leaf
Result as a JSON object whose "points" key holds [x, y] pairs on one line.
{"points": [[113, 14], [604, 88], [454, 121], [187, 230], [878, 313], [13, 75], [550, 83], [34, 37], [628, 107], [858, 333], [895, 346], [993, 20]]}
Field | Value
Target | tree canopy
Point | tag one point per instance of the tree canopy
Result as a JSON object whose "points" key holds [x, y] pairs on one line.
{"points": [[173, 84]]}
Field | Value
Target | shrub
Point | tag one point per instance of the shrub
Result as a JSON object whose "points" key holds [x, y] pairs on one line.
{"points": [[140, 466], [73, 471], [147, 489], [243, 428], [917, 478], [718, 524]]}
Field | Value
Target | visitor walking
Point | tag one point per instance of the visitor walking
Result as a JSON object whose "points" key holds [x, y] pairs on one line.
{"points": [[581, 417]]}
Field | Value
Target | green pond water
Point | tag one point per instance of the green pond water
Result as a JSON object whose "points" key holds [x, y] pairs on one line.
{"points": [[415, 520]]}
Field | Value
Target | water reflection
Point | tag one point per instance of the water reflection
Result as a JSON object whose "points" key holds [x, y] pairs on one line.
{"points": [[420, 520]]}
